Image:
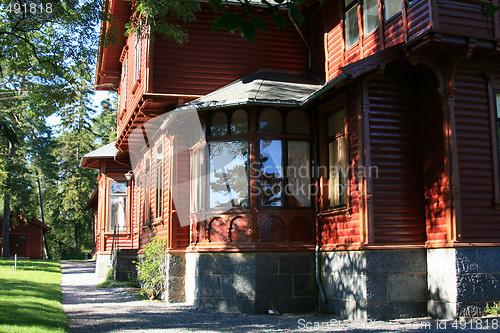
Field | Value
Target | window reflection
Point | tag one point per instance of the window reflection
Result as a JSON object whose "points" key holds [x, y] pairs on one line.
{"points": [[270, 121], [298, 187], [228, 174], [271, 172], [218, 125], [118, 202]]}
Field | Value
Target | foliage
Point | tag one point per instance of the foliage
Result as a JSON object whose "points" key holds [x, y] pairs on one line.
{"points": [[490, 11], [492, 310], [151, 269], [167, 17], [31, 297]]}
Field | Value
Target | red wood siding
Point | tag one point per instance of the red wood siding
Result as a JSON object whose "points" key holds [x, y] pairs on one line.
{"points": [[343, 228], [433, 158], [479, 220], [464, 18], [398, 200], [211, 60], [418, 21]]}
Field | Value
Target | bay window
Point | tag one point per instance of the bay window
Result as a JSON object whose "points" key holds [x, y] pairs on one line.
{"points": [[281, 165]]}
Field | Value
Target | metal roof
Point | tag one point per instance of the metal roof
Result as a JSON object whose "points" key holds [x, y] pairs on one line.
{"points": [[264, 87], [106, 151]]}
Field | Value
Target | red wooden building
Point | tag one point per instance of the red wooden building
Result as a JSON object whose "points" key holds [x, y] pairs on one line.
{"points": [[387, 113], [25, 238]]}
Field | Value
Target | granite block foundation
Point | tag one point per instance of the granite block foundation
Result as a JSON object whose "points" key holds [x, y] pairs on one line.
{"points": [[462, 281], [252, 282], [375, 284]]}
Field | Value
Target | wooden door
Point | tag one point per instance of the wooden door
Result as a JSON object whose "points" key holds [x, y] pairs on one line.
{"points": [[19, 245]]}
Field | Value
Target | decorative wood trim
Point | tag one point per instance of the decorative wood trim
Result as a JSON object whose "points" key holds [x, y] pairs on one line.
{"points": [[433, 5], [136, 85], [493, 86], [361, 29], [252, 247], [404, 19]]}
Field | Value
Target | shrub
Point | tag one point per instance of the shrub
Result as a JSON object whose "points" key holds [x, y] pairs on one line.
{"points": [[492, 310], [151, 270]]}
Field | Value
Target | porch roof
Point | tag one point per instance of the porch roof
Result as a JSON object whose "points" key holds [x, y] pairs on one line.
{"points": [[106, 151], [264, 87]]}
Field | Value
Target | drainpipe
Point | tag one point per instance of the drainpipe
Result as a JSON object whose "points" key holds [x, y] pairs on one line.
{"points": [[309, 66]]}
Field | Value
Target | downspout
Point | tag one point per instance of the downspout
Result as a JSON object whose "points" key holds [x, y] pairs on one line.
{"points": [[317, 261], [309, 65]]}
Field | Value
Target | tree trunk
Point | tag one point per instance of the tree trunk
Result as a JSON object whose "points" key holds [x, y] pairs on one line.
{"points": [[6, 205], [42, 216]]}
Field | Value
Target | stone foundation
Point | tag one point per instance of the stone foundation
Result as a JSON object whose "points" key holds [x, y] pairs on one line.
{"points": [[375, 284], [102, 265], [124, 263], [175, 282], [252, 282], [462, 281]]}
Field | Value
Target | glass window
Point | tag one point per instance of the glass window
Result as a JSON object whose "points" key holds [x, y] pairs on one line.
{"points": [[497, 95], [159, 182], [271, 172], [337, 160], [123, 84], [391, 8], [138, 51], [351, 24], [239, 122], [270, 121], [228, 174], [218, 124], [370, 15], [118, 204], [137, 198], [147, 194], [296, 124], [298, 187], [197, 178]]}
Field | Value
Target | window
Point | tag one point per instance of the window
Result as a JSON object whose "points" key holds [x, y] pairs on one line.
{"points": [[138, 51], [123, 84], [391, 8], [337, 160], [198, 184], [147, 194], [118, 204], [228, 177], [370, 15], [351, 28], [497, 100], [284, 163], [137, 198], [159, 182]]}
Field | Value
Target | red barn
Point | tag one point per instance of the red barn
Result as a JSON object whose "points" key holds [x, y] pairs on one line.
{"points": [[26, 237], [350, 163]]}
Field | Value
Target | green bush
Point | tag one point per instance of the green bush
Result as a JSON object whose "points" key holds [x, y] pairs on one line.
{"points": [[492, 310], [151, 270]]}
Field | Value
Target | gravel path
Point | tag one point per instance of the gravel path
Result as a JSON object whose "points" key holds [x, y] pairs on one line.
{"points": [[92, 309]]}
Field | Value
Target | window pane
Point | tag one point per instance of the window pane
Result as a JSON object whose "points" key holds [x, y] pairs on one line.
{"points": [[118, 187], [298, 187], [333, 177], [348, 2], [218, 125], [392, 7], [159, 154], [137, 56], [336, 123], [239, 122], [296, 124], [343, 171], [351, 26], [229, 174], [498, 105], [117, 218], [370, 11], [270, 121], [271, 172]]}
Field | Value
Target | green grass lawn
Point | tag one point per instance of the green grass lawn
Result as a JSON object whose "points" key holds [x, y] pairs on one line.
{"points": [[30, 298]]}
